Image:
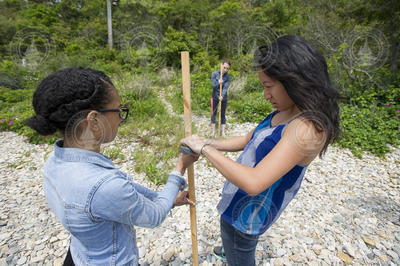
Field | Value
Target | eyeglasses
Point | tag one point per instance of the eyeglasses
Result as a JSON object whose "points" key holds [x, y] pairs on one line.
{"points": [[123, 112]]}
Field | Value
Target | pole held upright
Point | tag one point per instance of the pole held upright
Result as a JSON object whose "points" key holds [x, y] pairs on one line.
{"points": [[219, 104], [188, 132]]}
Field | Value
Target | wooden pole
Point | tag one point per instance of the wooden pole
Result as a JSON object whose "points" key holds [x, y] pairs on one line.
{"points": [[188, 132], [219, 105]]}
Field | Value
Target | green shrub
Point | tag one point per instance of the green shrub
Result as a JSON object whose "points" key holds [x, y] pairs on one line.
{"points": [[369, 129], [174, 42], [201, 92], [8, 81], [79, 60], [26, 77], [201, 63], [253, 84], [250, 107], [15, 108]]}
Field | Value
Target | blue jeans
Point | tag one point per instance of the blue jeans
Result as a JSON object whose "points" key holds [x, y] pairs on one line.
{"points": [[239, 247], [224, 104]]}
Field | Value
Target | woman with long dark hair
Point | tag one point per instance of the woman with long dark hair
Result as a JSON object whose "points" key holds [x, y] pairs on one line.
{"points": [[276, 154]]}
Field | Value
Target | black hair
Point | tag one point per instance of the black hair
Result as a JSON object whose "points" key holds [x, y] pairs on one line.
{"points": [[302, 70], [65, 93]]}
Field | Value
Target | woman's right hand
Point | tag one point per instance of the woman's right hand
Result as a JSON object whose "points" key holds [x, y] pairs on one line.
{"points": [[183, 198], [195, 143]]}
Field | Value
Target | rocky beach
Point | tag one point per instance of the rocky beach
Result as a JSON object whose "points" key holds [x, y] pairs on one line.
{"points": [[346, 212]]}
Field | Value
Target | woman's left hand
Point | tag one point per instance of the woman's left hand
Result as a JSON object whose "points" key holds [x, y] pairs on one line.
{"points": [[183, 198]]}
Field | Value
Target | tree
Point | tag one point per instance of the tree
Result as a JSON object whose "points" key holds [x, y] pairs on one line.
{"points": [[384, 14], [109, 23]]}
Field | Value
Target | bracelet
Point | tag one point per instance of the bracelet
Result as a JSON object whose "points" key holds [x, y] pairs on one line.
{"points": [[201, 150]]}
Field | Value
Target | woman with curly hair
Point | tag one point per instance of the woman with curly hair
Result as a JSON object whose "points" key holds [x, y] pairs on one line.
{"points": [[94, 200]]}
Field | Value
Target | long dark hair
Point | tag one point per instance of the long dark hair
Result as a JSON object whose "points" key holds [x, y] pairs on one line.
{"points": [[302, 70], [63, 94]]}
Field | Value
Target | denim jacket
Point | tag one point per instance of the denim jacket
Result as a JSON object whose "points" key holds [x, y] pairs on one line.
{"points": [[100, 205], [226, 80]]}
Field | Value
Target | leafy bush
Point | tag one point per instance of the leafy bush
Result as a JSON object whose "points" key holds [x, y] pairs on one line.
{"points": [[176, 41], [201, 63], [8, 81], [201, 92], [15, 108], [253, 84], [250, 107], [369, 129], [26, 77]]}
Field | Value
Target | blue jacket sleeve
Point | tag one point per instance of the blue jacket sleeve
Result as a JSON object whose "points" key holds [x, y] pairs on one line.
{"points": [[148, 193], [214, 80], [225, 87], [119, 200]]}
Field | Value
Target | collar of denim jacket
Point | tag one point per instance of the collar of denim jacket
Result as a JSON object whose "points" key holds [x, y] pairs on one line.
{"points": [[81, 155]]}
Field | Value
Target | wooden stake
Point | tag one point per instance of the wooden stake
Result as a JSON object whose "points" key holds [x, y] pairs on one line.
{"points": [[219, 105], [188, 132]]}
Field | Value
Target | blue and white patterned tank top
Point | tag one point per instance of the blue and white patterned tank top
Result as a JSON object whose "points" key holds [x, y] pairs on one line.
{"points": [[255, 214]]}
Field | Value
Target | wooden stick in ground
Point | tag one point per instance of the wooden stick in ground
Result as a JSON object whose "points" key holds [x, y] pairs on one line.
{"points": [[219, 104], [188, 132]]}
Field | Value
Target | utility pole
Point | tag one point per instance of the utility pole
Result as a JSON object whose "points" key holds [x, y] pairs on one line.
{"points": [[109, 23]]}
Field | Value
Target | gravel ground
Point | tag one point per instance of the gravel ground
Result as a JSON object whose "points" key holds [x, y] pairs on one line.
{"points": [[347, 211]]}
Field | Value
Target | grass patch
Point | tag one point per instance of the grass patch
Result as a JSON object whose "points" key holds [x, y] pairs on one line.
{"points": [[114, 153], [158, 139]]}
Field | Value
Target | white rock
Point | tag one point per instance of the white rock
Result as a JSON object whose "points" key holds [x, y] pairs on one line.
{"points": [[169, 253], [347, 248], [280, 252], [22, 260], [160, 250], [393, 255], [337, 180], [377, 252], [58, 262], [142, 252], [5, 236]]}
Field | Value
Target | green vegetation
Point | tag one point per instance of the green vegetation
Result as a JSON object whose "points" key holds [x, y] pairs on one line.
{"points": [[359, 39]]}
